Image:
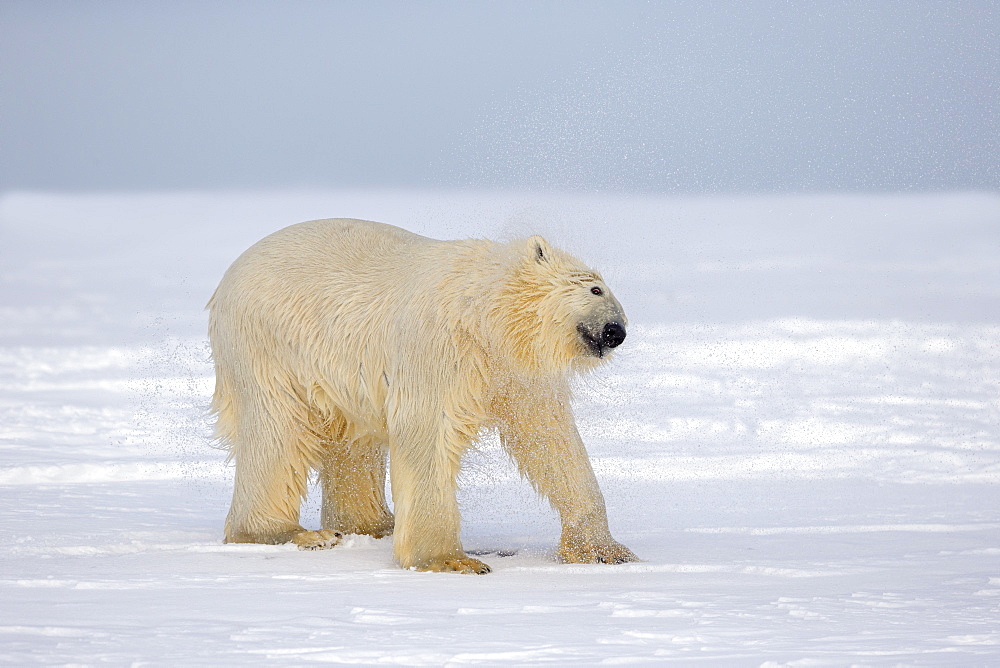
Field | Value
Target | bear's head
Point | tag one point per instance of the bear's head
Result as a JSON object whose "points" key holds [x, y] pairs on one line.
{"points": [[555, 313]]}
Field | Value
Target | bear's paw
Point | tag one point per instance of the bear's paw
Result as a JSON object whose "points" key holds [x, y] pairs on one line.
{"points": [[464, 564], [323, 539], [587, 552]]}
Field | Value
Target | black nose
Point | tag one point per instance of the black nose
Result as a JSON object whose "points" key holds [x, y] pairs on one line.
{"points": [[613, 335]]}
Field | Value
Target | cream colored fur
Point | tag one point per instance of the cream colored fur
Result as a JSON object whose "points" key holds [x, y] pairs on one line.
{"points": [[337, 342]]}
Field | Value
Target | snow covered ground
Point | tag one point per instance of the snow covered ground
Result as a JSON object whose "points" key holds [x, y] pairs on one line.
{"points": [[801, 438]]}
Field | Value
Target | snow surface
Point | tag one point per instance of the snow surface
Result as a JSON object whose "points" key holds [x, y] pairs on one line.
{"points": [[800, 438]]}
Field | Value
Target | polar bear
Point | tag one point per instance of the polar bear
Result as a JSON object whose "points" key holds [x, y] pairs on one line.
{"points": [[339, 344]]}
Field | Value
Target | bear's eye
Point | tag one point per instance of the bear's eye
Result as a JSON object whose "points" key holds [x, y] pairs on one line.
{"points": [[596, 291]]}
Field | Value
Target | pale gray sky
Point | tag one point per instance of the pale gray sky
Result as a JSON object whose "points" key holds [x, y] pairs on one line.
{"points": [[692, 96]]}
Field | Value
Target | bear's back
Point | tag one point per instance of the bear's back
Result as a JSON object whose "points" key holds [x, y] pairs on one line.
{"points": [[333, 244], [332, 254], [356, 273]]}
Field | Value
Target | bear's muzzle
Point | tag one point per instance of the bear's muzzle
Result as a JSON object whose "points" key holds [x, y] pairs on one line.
{"points": [[598, 343], [613, 335]]}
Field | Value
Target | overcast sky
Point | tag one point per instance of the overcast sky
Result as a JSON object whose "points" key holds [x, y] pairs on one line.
{"points": [[691, 97]]}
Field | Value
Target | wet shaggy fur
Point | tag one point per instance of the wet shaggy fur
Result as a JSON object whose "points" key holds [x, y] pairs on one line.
{"points": [[339, 342]]}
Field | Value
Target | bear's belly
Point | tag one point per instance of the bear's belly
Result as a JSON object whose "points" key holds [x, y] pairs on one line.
{"points": [[361, 409]]}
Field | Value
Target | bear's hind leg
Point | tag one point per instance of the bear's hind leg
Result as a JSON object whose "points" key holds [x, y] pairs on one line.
{"points": [[273, 453], [352, 475]]}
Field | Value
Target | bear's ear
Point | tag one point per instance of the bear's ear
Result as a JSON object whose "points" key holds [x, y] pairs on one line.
{"points": [[540, 249]]}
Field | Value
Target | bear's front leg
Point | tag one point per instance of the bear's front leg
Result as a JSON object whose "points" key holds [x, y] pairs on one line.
{"points": [[540, 434], [424, 462]]}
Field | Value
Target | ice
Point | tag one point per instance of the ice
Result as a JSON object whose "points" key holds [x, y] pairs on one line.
{"points": [[799, 438]]}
